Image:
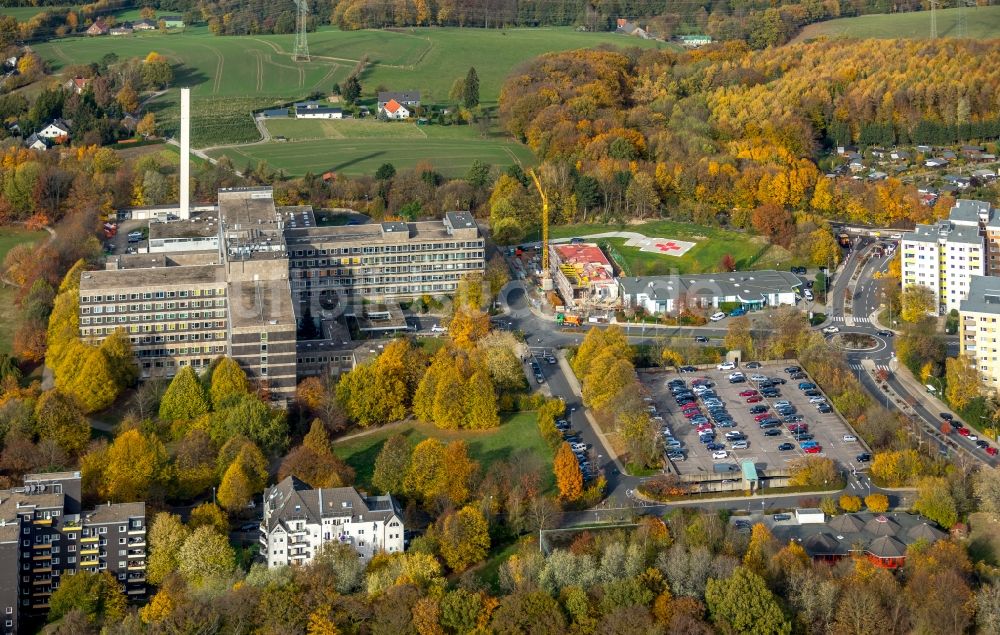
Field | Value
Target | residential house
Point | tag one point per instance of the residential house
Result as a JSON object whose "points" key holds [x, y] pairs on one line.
{"points": [[959, 181], [628, 27], [77, 84], [125, 29], [971, 152], [984, 175], [409, 98], [98, 28], [948, 154], [899, 155], [144, 25], [58, 129], [172, 21], [925, 149], [879, 153], [10, 62], [875, 175], [35, 142], [299, 520], [672, 294], [937, 162], [395, 110], [316, 110]]}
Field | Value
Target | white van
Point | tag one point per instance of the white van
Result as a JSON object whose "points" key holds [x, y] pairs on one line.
{"points": [[437, 328], [808, 294]]}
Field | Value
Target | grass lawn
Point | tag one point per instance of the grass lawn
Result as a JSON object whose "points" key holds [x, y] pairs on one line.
{"points": [[10, 236], [712, 244], [23, 14], [360, 147], [518, 432], [489, 571], [981, 23], [259, 67]]}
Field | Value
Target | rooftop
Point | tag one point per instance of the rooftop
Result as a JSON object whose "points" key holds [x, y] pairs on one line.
{"points": [[746, 285], [146, 270], [583, 261], [293, 499], [984, 295], [200, 226], [258, 302], [881, 535], [115, 512]]}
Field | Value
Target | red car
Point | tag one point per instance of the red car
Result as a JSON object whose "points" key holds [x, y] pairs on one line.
{"points": [[760, 418], [992, 451], [963, 431], [755, 399], [748, 393], [816, 449], [699, 381], [798, 427], [688, 407], [704, 427]]}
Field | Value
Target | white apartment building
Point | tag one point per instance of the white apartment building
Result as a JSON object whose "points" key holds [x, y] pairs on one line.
{"points": [[979, 328], [298, 520], [945, 256]]}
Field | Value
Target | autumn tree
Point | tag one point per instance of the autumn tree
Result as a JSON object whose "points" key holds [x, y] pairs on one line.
{"points": [[244, 473], [813, 471], [935, 501], [569, 479], [314, 461], [738, 336], [185, 398], [60, 420], [877, 503], [136, 469], [392, 465], [209, 515], [147, 125], [205, 556], [468, 326], [849, 503], [963, 383], [918, 301], [743, 603], [228, 381], [728, 263], [464, 538], [127, 99], [498, 352], [96, 595]]}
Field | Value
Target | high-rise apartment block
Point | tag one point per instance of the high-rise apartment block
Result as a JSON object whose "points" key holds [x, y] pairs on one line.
{"points": [[45, 536], [944, 256], [979, 328], [234, 281]]}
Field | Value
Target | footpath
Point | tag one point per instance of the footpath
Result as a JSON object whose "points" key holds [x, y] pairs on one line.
{"points": [[574, 386]]}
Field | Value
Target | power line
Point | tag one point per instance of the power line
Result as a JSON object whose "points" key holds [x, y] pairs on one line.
{"points": [[301, 50]]}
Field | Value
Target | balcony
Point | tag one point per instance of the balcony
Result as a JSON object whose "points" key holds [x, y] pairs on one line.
{"points": [[137, 531], [136, 591], [42, 569], [139, 565], [42, 556], [47, 522], [72, 527], [136, 578], [90, 551], [41, 545], [41, 606], [136, 542], [89, 562], [38, 581], [88, 539], [136, 553]]}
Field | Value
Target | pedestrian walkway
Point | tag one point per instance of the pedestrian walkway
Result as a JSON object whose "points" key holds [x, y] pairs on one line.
{"points": [[849, 320], [857, 367]]}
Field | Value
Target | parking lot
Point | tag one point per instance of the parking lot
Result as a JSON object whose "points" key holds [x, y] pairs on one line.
{"points": [[723, 410]]}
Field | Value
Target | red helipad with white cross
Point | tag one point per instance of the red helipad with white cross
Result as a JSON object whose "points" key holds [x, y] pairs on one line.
{"points": [[666, 246]]}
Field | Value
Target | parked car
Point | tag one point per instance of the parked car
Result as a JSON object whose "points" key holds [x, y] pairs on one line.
{"points": [[687, 369], [757, 378], [824, 408], [864, 457], [718, 316], [850, 438], [792, 369], [982, 445], [781, 517], [701, 339], [755, 399], [740, 445], [748, 393], [719, 455], [737, 312], [816, 449], [759, 408], [947, 416], [817, 399], [739, 379], [992, 451], [829, 330], [884, 333], [773, 432], [676, 456], [784, 447], [770, 393], [726, 366], [805, 385], [715, 446], [753, 365]]}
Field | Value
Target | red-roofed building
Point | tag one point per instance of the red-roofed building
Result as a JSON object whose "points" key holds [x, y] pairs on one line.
{"points": [[98, 28], [582, 274], [77, 84], [395, 110]]}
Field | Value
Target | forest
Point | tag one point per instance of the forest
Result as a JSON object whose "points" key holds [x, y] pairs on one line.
{"points": [[737, 136]]}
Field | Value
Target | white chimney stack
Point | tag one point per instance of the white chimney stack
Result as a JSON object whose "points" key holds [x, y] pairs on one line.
{"points": [[185, 208]]}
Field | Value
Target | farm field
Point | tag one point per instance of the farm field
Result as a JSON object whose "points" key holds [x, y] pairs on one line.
{"points": [[712, 244], [355, 147], [258, 68], [9, 237], [981, 23], [23, 14], [517, 433]]}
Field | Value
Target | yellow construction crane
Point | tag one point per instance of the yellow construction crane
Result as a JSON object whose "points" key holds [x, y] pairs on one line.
{"points": [[545, 229]]}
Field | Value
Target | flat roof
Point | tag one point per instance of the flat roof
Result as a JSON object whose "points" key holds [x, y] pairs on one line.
{"points": [[746, 285], [984, 295], [420, 230], [259, 302], [155, 275], [205, 226]]}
